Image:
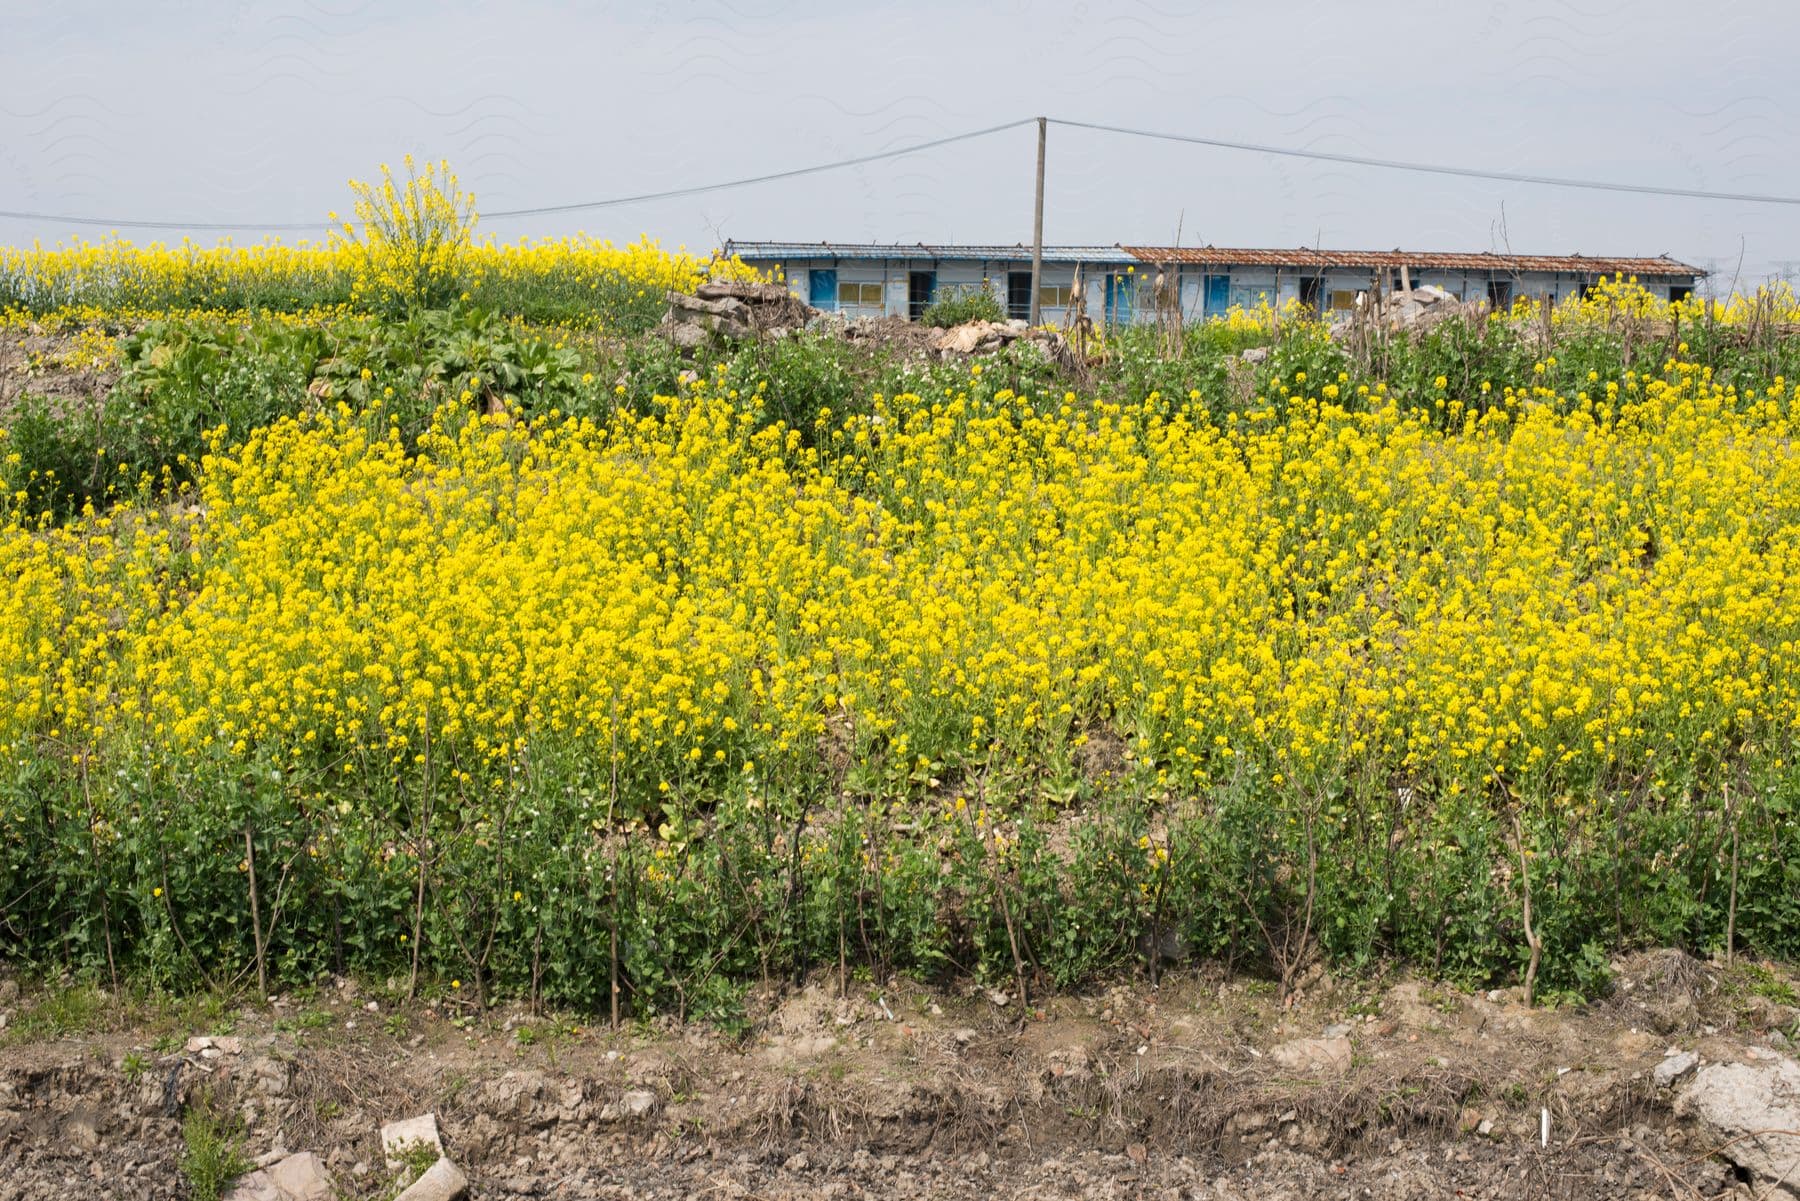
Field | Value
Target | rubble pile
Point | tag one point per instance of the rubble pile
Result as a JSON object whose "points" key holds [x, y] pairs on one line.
{"points": [[735, 311], [743, 311]]}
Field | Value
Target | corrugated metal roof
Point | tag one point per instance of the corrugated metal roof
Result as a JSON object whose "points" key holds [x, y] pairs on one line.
{"points": [[1221, 256], [921, 250]]}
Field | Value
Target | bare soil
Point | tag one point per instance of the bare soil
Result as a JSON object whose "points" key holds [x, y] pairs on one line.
{"points": [[1176, 1091], [34, 362]]}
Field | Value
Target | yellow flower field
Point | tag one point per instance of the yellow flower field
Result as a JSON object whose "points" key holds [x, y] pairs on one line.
{"points": [[534, 659], [118, 282], [1545, 600]]}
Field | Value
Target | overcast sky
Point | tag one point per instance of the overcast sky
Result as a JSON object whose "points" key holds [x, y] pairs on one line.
{"points": [[261, 111]]}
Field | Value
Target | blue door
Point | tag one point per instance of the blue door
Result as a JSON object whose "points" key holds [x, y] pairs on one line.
{"points": [[1218, 295], [1119, 289], [822, 289]]}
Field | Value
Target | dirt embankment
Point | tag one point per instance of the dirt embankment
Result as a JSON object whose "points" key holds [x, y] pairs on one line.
{"points": [[1205, 1087]]}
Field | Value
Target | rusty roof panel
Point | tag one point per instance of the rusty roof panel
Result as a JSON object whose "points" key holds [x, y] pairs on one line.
{"points": [[1306, 256]]}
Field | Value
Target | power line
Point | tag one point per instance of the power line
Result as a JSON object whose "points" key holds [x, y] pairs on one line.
{"points": [[219, 226], [1557, 181], [879, 156], [581, 206], [543, 210]]}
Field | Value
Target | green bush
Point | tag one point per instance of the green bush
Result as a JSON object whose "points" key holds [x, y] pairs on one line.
{"points": [[961, 307]]}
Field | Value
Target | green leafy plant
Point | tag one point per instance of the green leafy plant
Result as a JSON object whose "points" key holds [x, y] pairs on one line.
{"points": [[960, 307], [214, 1155]]}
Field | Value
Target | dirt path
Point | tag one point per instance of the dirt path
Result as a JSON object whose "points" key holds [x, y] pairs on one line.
{"points": [[1203, 1088]]}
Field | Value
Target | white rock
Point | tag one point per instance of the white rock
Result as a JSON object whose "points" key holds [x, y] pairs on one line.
{"points": [[300, 1177], [442, 1181], [1740, 1103], [396, 1137], [638, 1103], [1666, 1073], [1314, 1056], [303, 1177]]}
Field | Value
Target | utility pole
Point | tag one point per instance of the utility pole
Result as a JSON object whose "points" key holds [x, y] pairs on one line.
{"points": [[1037, 225]]}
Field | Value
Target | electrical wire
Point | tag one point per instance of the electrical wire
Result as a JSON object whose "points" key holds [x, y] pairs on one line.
{"points": [[211, 226], [879, 156], [700, 189], [546, 209], [1557, 181]]}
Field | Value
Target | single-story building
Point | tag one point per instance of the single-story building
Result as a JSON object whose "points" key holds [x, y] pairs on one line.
{"points": [[900, 279]]}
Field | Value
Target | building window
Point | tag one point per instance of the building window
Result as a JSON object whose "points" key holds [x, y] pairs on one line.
{"points": [[1310, 287], [1499, 294], [850, 293], [1343, 300], [1680, 291], [1055, 296]]}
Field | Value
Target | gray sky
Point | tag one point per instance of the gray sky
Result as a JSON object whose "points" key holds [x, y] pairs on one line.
{"points": [[261, 112]]}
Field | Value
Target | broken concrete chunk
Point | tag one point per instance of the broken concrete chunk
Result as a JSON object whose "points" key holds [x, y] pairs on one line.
{"points": [[442, 1181], [398, 1137], [1748, 1108]]}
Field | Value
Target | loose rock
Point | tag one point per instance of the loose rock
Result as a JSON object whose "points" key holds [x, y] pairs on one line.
{"points": [[399, 1137], [300, 1177], [1666, 1073], [1740, 1103], [638, 1103], [1314, 1056], [442, 1181]]}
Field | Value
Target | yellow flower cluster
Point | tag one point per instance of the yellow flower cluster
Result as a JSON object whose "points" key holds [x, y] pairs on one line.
{"points": [[1611, 300], [409, 240], [1541, 593]]}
